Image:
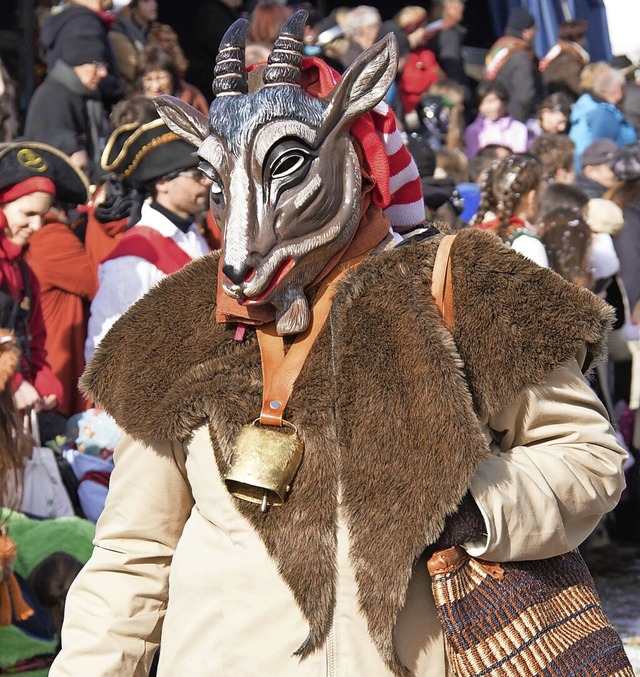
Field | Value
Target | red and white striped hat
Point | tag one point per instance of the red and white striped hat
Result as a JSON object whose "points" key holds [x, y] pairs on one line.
{"points": [[398, 189]]}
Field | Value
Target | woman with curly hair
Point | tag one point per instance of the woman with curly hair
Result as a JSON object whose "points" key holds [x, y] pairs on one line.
{"points": [[509, 205]]}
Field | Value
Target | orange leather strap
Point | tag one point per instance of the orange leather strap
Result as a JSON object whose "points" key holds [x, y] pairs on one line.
{"points": [[280, 371], [441, 282]]}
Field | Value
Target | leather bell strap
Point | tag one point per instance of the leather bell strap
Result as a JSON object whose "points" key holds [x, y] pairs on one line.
{"points": [[441, 282], [280, 371]]}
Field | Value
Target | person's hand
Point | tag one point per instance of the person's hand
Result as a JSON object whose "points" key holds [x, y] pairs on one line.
{"points": [[466, 524], [48, 402], [418, 37], [26, 397]]}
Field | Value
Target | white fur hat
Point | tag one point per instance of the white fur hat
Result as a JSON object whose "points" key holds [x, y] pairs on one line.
{"points": [[604, 216]]}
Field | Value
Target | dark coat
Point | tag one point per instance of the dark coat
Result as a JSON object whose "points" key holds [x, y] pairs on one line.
{"points": [[211, 22], [589, 187], [65, 114], [627, 244], [447, 47], [631, 105], [563, 74], [522, 79]]}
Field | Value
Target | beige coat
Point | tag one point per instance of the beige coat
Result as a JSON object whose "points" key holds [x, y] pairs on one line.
{"points": [[247, 590]]}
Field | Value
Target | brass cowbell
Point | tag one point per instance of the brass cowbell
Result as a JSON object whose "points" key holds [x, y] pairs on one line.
{"points": [[264, 462]]}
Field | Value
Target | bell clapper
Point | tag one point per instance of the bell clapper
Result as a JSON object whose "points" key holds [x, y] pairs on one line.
{"points": [[264, 506]]}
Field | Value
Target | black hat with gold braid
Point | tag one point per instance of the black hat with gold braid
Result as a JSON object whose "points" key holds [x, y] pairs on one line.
{"points": [[29, 166], [142, 153]]}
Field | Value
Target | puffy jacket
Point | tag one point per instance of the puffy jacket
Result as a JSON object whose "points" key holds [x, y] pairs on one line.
{"points": [[593, 119]]}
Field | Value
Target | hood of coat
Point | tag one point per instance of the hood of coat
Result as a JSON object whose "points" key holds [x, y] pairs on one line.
{"points": [[65, 76], [84, 21], [383, 403]]}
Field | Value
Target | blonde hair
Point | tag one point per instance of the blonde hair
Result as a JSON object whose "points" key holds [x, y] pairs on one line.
{"points": [[588, 74], [453, 163], [410, 16]]}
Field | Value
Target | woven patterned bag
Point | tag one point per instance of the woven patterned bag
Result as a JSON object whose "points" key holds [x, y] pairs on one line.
{"points": [[519, 619], [540, 617]]}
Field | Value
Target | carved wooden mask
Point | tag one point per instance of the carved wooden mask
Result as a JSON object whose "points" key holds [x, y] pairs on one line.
{"points": [[286, 178]]}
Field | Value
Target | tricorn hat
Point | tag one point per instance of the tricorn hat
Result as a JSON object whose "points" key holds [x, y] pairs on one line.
{"points": [[142, 153], [29, 166]]}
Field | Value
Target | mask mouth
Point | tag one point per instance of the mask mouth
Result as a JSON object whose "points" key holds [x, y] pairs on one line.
{"points": [[281, 272]]}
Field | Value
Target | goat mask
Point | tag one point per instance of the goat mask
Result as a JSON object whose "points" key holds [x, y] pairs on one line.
{"points": [[286, 177]]}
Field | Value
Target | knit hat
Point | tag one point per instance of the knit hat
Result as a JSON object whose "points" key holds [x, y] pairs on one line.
{"points": [[142, 153], [626, 162], [520, 19], [600, 152], [604, 216], [83, 49], [27, 167]]}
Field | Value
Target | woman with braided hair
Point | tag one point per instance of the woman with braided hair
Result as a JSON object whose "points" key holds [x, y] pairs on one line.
{"points": [[509, 205]]}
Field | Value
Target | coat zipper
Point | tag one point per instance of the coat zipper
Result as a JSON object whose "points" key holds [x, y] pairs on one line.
{"points": [[331, 659]]}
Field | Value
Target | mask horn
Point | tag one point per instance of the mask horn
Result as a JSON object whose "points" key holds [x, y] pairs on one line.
{"points": [[229, 75], [283, 66]]}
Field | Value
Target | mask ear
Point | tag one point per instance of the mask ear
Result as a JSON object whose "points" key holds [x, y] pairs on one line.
{"points": [[187, 122], [364, 84]]}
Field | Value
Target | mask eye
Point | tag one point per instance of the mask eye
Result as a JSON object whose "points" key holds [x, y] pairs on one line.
{"points": [[216, 182], [287, 165]]}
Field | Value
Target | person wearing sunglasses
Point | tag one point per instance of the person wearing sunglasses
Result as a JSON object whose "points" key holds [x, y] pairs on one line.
{"points": [[66, 110], [170, 191]]}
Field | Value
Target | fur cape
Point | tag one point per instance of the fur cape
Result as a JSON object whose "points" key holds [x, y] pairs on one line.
{"points": [[388, 402]]}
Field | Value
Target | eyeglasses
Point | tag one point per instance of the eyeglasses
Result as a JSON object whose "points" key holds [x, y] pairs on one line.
{"points": [[151, 79], [99, 65], [194, 174]]}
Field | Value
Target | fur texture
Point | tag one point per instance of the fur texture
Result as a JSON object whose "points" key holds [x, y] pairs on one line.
{"points": [[382, 403]]}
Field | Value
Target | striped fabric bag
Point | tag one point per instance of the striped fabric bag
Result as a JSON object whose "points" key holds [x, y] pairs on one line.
{"points": [[540, 617]]}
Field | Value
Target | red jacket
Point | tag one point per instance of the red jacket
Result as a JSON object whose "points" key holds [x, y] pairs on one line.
{"points": [[42, 377], [420, 72], [67, 283]]}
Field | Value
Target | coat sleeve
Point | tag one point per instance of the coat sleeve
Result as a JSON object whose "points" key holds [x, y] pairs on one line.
{"points": [[556, 469], [44, 380], [627, 245], [58, 259], [116, 606]]}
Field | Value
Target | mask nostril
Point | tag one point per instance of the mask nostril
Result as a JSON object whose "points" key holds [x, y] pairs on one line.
{"points": [[238, 274]]}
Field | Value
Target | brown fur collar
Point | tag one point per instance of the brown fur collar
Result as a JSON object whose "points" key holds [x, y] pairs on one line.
{"points": [[382, 402]]}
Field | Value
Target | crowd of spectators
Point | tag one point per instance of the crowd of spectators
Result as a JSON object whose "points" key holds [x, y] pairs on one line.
{"points": [[543, 151]]}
